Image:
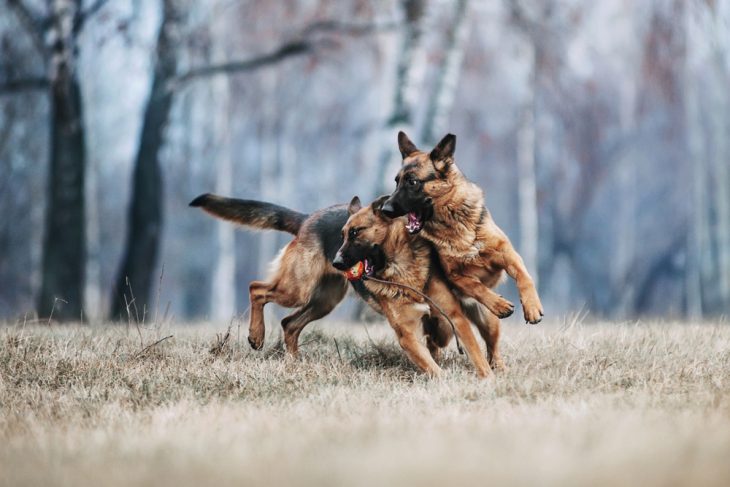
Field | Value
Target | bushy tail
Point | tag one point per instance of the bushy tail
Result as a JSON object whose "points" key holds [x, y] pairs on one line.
{"points": [[257, 214]]}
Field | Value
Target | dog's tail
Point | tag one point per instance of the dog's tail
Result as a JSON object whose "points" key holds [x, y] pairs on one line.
{"points": [[251, 213]]}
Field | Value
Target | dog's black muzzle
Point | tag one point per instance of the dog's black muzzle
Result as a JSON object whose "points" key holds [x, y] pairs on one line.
{"points": [[391, 208]]}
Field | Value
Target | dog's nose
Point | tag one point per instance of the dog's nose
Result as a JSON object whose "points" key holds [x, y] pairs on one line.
{"points": [[388, 209], [338, 262]]}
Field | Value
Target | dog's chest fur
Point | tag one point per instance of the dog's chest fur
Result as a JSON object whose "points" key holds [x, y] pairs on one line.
{"points": [[455, 226], [407, 262]]}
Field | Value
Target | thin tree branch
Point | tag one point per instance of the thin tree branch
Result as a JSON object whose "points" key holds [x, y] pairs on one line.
{"points": [[351, 28], [33, 22], [287, 50], [300, 46], [9, 87]]}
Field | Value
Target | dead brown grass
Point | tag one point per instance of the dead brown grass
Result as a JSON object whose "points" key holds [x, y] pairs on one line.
{"points": [[584, 404]]}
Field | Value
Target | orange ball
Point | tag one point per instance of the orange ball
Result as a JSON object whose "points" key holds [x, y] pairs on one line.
{"points": [[355, 272]]}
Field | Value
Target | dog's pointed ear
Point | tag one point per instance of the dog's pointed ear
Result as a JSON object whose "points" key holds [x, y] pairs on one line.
{"points": [[377, 205], [355, 206], [442, 155], [405, 145]]}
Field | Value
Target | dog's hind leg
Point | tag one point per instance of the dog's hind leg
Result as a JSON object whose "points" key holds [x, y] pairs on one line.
{"points": [[260, 293], [329, 292], [489, 328]]}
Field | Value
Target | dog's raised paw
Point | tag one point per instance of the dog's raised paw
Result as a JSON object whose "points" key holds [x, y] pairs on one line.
{"points": [[503, 308], [533, 315]]}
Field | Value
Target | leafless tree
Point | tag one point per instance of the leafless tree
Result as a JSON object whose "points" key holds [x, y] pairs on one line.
{"points": [[55, 33]]}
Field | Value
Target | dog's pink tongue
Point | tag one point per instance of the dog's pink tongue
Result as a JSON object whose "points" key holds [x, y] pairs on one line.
{"points": [[412, 218]]}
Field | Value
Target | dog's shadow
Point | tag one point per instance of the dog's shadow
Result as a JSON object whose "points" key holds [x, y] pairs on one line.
{"points": [[375, 355], [381, 355]]}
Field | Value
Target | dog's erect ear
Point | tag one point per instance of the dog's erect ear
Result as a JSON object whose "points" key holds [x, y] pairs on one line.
{"points": [[355, 206], [405, 145], [377, 205], [443, 154]]}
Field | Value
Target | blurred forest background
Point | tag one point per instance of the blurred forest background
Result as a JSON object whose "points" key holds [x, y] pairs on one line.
{"points": [[600, 131]]}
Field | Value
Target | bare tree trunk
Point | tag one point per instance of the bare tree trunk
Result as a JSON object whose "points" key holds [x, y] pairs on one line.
{"points": [[62, 281], [442, 99], [145, 216], [223, 298], [92, 291], [527, 177], [718, 122], [269, 165], [698, 243], [404, 93]]}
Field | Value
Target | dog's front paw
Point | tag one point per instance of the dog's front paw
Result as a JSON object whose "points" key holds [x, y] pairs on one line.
{"points": [[533, 313], [502, 308], [498, 365], [257, 343]]}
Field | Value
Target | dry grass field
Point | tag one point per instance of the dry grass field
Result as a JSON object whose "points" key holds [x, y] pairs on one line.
{"points": [[582, 404]]}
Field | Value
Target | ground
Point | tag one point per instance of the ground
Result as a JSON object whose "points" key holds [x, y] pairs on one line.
{"points": [[599, 404]]}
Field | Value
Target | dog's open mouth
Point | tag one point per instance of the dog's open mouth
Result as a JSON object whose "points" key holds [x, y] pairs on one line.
{"points": [[414, 223]]}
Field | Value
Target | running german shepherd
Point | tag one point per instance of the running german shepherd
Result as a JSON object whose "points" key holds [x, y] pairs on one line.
{"points": [[303, 276], [392, 254], [448, 210]]}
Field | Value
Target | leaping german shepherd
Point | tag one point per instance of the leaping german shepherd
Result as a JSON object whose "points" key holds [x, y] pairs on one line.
{"points": [[303, 276], [448, 210]]}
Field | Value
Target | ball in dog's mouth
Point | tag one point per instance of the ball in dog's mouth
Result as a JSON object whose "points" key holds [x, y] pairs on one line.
{"points": [[414, 223], [360, 269]]}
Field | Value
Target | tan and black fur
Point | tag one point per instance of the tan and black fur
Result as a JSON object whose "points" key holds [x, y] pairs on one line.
{"points": [[302, 275], [448, 210], [393, 255]]}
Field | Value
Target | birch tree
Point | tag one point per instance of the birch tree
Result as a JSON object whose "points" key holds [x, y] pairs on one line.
{"points": [[697, 237], [720, 131], [223, 290], [407, 80], [447, 77], [526, 137]]}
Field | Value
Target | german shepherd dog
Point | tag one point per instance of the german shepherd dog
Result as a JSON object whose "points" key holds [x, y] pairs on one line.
{"points": [[302, 275], [447, 209], [392, 254]]}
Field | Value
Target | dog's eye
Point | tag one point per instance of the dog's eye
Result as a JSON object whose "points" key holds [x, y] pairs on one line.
{"points": [[412, 182], [353, 233]]}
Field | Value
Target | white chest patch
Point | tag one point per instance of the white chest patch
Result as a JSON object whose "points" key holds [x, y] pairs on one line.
{"points": [[421, 308]]}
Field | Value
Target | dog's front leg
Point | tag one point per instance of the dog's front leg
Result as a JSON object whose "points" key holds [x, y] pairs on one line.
{"points": [[515, 267], [473, 287], [405, 318]]}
